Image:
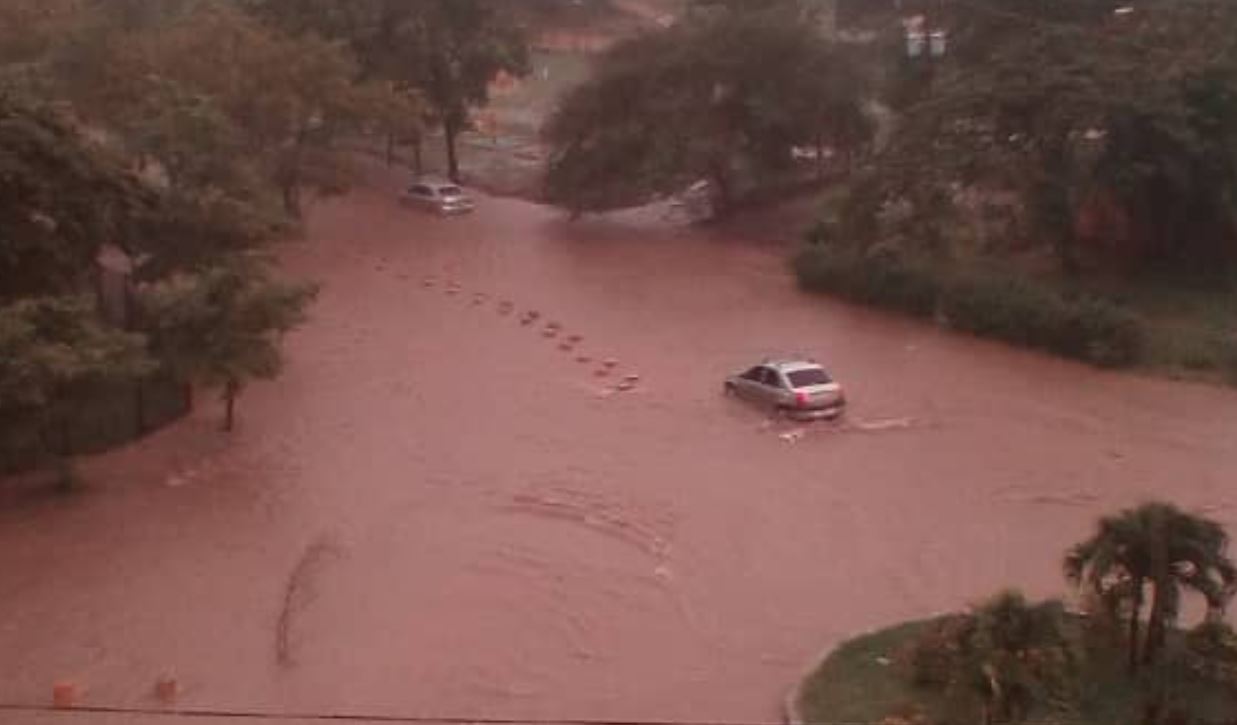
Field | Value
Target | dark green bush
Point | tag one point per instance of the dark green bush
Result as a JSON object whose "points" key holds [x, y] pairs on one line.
{"points": [[1031, 315], [875, 278], [993, 305]]}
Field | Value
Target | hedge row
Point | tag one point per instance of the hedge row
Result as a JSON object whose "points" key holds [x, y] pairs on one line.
{"points": [[1006, 308]]}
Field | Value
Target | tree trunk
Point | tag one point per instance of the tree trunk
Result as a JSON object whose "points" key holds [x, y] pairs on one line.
{"points": [[291, 199], [139, 408], [449, 132], [820, 157], [1156, 626], [186, 392], [390, 147], [230, 389], [723, 195], [416, 156], [1136, 607]]}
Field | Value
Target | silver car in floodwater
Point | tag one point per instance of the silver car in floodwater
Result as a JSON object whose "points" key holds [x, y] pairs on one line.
{"points": [[796, 388], [439, 197]]}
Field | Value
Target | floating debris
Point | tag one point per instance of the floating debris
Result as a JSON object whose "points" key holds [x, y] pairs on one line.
{"points": [[877, 426], [793, 436]]}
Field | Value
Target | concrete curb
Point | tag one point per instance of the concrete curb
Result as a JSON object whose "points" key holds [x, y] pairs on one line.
{"points": [[791, 714]]}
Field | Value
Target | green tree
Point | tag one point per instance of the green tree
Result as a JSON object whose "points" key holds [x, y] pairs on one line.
{"points": [[61, 199], [713, 96], [1158, 547], [450, 51], [1068, 107], [272, 106], [1000, 662], [222, 326]]}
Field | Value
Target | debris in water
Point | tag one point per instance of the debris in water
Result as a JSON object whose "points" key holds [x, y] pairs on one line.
{"points": [[565, 346], [793, 436], [610, 362], [64, 694], [877, 426], [583, 359], [575, 339]]}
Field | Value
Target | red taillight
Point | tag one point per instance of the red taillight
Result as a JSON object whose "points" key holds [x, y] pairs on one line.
{"points": [[801, 399]]}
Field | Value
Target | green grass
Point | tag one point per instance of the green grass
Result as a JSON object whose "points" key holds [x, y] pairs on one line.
{"points": [[859, 681], [865, 680]]}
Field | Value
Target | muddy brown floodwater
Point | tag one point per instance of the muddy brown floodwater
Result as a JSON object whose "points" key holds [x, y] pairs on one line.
{"points": [[440, 511]]}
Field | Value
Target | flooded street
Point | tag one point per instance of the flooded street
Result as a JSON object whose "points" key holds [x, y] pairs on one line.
{"points": [[439, 511]]}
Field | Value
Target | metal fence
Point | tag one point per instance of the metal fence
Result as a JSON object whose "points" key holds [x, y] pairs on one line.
{"points": [[104, 419]]}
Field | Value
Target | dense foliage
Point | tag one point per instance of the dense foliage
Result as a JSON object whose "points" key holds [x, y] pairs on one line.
{"points": [[1108, 140], [182, 136], [726, 95]]}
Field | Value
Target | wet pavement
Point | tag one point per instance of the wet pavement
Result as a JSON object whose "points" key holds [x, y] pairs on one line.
{"points": [[448, 506]]}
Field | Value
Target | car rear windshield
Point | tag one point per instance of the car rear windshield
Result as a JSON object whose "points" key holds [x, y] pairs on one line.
{"points": [[808, 377], [451, 191]]}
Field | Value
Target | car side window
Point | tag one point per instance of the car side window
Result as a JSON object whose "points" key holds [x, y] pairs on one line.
{"points": [[756, 374], [771, 378], [421, 190]]}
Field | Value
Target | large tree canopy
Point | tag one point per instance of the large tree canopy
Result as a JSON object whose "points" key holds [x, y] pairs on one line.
{"points": [[61, 199], [1116, 133], [446, 51], [718, 94]]}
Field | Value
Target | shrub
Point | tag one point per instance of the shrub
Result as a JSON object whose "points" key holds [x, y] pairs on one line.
{"points": [[880, 277], [1023, 313], [993, 305], [931, 659]]}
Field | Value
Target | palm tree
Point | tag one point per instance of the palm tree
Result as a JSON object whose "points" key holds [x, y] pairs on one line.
{"points": [[1007, 657], [1023, 654], [1160, 546]]}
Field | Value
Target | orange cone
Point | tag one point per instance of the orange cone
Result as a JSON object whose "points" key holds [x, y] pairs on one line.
{"points": [[167, 689], [64, 694]]}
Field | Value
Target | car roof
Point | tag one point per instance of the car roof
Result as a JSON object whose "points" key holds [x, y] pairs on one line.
{"points": [[789, 366], [434, 183]]}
